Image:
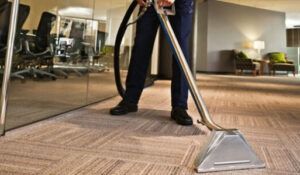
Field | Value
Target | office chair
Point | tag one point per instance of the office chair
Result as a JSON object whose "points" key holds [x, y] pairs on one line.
{"points": [[2, 4], [5, 10], [77, 35], [39, 50], [72, 54], [4, 25], [87, 50]]}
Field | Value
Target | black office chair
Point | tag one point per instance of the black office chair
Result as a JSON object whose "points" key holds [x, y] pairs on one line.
{"points": [[73, 54], [2, 4], [5, 10], [39, 50], [77, 35], [5, 7]]}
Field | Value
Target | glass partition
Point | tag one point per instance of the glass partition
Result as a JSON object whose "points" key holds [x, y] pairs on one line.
{"points": [[107, 18], [63, 57], [50, 71], [5, 9]]}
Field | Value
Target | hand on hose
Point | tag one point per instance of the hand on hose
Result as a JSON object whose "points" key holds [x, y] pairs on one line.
{"points": [[161, 3], [165, 3]]}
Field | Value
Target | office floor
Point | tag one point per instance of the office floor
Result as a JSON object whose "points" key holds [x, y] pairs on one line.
{"points": [[90, 141]]}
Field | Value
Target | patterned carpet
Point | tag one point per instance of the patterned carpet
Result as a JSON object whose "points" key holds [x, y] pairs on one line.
{"points": [[90, 141]]}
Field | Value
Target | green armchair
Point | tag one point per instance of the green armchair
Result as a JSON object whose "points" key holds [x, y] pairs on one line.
{"points": [[279, 62], [242, 62]]}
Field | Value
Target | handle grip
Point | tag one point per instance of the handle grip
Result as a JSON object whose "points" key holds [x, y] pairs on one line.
{"points": [[169, 11]]}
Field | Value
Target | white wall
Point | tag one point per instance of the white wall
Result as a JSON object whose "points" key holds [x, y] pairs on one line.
{"points": [[114, 18], [229, 26], [201, 45]]}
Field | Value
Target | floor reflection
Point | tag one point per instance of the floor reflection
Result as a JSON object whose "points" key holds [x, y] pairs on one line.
{"points": [[38, 99]]}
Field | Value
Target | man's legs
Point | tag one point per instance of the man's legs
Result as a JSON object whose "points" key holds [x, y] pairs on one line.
{"points": [[141, 54], [145, 36], [146, 31], [182, 25]]}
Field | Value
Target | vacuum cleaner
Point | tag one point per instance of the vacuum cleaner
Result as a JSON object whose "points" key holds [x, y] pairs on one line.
{"points": [[226, 149]]}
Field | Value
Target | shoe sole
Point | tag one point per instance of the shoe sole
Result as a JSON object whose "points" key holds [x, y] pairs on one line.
{"points": [[117, 114], [183, 124]]}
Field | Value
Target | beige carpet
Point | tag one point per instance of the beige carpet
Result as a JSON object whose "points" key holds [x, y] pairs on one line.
{"points": [[90, 141]]}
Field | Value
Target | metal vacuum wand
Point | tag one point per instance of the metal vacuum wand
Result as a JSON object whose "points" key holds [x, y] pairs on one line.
{"points": [[226, 149], [200, 104]]}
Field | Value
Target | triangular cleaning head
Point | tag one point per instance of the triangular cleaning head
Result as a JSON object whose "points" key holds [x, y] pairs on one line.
{"points": [[227, 150]]}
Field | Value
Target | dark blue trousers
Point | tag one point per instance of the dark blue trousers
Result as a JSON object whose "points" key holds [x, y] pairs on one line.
{"points": [[142, 50]]}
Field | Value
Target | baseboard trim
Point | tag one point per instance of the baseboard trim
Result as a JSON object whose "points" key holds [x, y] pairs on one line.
{"points": [[209, 72]]}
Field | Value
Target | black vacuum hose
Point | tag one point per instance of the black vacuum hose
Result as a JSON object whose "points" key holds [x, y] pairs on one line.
{"points": [[120, 35]]}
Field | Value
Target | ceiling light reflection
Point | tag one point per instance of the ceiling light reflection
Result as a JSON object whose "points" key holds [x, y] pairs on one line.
{"points": [[76, 11]]}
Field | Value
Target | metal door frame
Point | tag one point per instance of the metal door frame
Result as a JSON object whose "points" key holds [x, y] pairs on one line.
{"points": [[8, 63]]}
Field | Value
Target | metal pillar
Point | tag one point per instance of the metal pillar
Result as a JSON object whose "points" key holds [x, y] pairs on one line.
{"points": [[8, 62]]}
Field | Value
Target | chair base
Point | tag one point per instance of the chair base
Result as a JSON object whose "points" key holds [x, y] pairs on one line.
{"points": [[35, 72]]}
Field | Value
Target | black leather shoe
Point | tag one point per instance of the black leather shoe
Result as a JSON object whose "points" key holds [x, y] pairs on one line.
{"points": [[123, 108], [181, 116]]}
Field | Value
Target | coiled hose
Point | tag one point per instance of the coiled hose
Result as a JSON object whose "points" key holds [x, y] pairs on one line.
{"points": [[120, 35]]}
